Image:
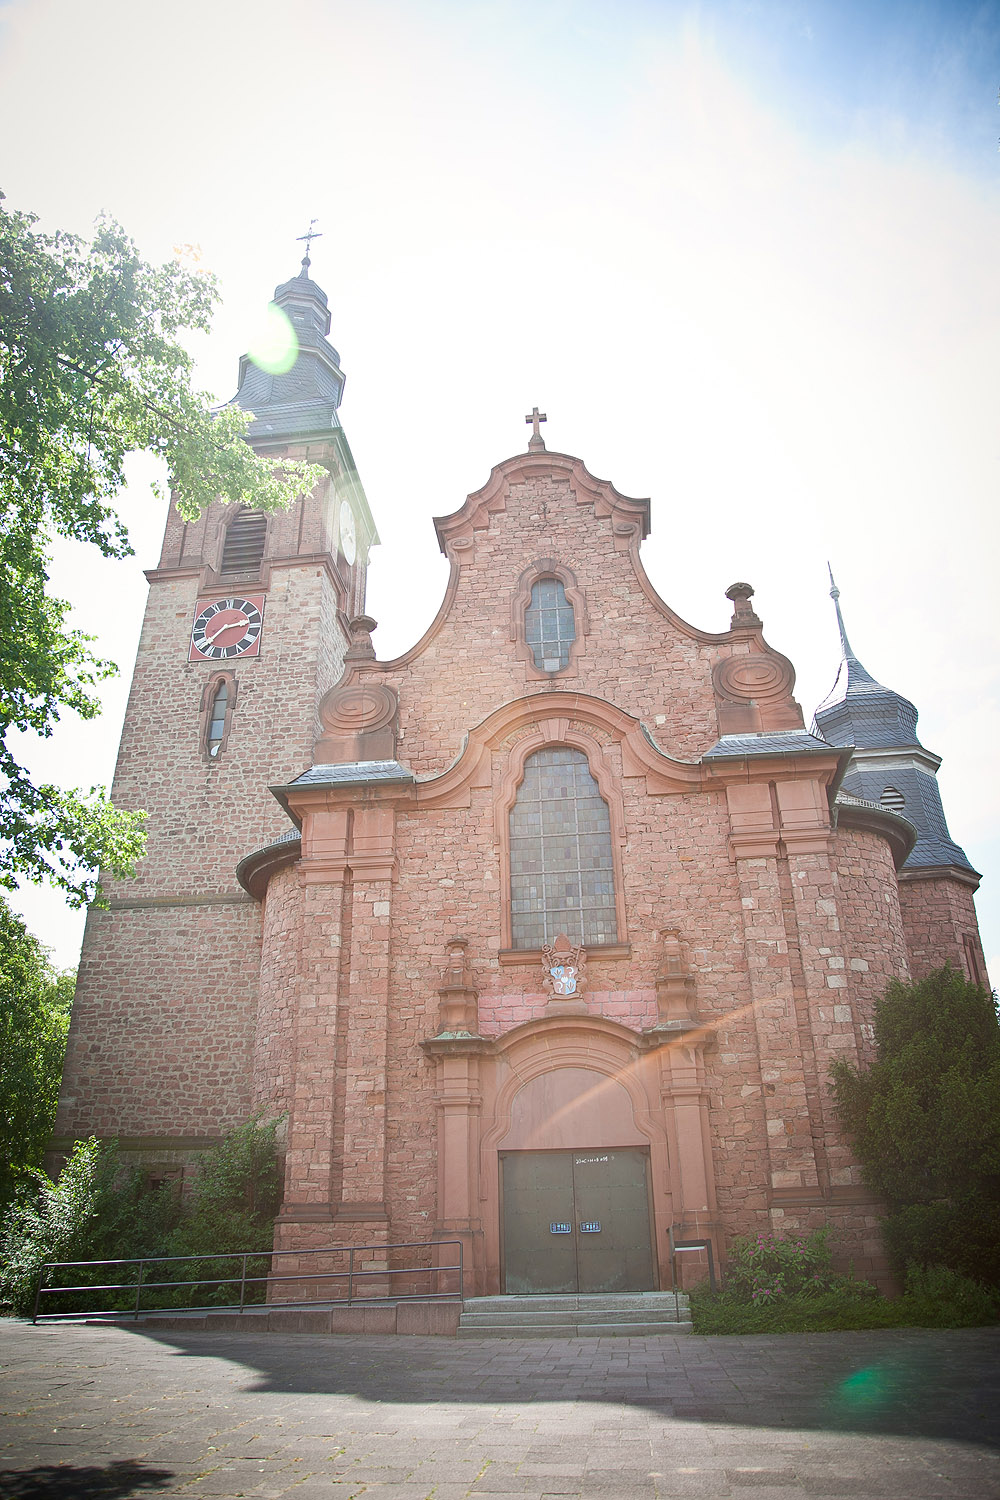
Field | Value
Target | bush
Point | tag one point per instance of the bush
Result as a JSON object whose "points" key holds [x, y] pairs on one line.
{"points": [[938, 1297], [776, 1285], [795, 1313], [764, 1267], [97, 1210], [100, 1208], [234, 1199], [925, 1122]]}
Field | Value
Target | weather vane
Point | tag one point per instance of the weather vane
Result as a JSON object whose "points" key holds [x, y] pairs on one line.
{"points": [[309, 236]]}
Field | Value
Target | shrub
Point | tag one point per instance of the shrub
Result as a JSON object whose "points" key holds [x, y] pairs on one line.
{"points": [[925, 1121], [98, 1209], [763, 1267], [938, 1297], [776, 1285], [101, 1208], [233, 1202]]}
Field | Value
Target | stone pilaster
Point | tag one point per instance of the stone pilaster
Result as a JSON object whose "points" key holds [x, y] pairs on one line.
{"points": [[755, 846]]}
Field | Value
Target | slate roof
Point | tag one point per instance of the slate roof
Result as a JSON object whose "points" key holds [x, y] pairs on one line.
{"points": [[773, 742], [354, 771], [860, 711], [862, 714], [305, 398]]}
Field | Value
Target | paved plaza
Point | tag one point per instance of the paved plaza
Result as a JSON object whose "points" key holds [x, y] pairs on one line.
{"points": [[112, 1412]]}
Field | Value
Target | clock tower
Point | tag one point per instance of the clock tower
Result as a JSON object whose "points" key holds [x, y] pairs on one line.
{"points": [[246, 629]]}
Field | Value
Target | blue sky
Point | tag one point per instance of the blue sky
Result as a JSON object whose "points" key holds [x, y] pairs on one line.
{"points": [[743, 254]]}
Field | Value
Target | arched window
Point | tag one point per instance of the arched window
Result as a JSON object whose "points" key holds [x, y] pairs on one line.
{"points": [[217, 719], [561, 867], [243, 551], [893, 799], [549, 625]]}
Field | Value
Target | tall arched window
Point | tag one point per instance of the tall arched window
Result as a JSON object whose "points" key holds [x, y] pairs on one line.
{"points": [[243, 551], [561, 867], [217, 719], [549, 625]]}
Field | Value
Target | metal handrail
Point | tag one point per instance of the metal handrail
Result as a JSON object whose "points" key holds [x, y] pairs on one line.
{"points": [[351, 1275]]}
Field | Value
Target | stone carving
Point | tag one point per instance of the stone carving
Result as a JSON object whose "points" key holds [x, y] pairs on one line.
{"points": [[459, 1009], [361, 647], [563, 968], [359, 722], [753, 692], [675, 984], [754, 676]]}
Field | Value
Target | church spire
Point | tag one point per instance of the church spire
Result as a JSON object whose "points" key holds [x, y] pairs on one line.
{"points": [[845, 644], [858, 710], [290, 404], [889, 765]]}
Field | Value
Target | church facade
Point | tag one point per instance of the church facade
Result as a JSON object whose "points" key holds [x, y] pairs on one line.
{"points": [[542, 935]]}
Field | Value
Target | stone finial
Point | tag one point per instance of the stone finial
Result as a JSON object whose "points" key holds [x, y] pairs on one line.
{"points": [[563, 968], [459, 1008], [675, 984], [743, 614], [361, 648]]}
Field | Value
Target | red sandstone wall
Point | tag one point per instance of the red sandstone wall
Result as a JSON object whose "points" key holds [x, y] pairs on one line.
{"points": [[937, 916], [633, 655], [160, 1040], [163, 1029]]}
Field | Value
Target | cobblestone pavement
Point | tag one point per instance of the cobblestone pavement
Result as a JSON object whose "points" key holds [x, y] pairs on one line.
{"points": [[110, 1412]]}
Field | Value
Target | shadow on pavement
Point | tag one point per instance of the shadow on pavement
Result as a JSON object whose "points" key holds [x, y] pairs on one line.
{"points": [[921, 1383], [75, 1482]]}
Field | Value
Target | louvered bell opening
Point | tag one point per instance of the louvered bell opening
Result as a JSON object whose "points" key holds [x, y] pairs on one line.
{"points": [[244, 548], [893, 799]]}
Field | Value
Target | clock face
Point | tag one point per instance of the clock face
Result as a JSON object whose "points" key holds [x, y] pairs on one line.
{"points": [[225, 628], [348, 534]]}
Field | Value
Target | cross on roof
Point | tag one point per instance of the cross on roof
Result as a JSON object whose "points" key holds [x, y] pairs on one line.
{"points": [[536, 443], [310, 235]]}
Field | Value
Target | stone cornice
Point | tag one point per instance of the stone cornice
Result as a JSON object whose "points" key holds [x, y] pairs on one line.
{"points": [[898, 833], [942, 872]]}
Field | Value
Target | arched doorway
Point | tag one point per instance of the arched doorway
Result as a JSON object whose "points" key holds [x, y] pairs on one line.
{"points": [[575, 1188]]}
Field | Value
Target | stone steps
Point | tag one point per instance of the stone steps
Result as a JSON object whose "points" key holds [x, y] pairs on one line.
{"points": [[579, 1315]]}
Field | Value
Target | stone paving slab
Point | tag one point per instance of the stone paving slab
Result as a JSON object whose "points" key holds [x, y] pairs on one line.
{"points": [[896, 1414]]}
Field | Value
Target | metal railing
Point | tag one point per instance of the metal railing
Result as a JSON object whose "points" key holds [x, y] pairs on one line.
{"points": [[352, 1275]]}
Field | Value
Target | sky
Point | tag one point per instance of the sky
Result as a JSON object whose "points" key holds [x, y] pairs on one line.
{"points": [[742, 254]]}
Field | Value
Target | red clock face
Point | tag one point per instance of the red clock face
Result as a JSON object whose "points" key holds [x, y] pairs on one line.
{"points": [[224, 628]]}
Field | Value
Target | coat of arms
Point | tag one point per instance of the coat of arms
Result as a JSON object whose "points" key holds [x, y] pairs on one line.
{"points": [[563, 966]]}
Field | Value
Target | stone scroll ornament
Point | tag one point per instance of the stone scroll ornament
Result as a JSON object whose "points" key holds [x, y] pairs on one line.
{"points": [[563, 968]]}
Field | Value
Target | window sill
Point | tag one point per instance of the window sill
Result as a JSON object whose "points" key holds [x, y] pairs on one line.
{"points": [[526, 956]]}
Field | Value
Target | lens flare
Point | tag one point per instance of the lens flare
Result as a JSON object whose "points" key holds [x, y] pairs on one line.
{"points": [[274, 346], [865, 1387]]}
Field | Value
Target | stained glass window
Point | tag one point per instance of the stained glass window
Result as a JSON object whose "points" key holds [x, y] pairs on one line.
{"points": [[561, 870], [549, 625]]}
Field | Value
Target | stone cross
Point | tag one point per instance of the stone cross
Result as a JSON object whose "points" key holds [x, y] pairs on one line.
{"points": [[536, 443]]}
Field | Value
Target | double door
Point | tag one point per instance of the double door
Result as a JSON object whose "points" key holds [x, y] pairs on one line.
{"points": [[576, 1221]]}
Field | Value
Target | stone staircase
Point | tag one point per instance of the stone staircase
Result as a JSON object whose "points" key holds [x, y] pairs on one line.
{"points": [[583, 1315]]}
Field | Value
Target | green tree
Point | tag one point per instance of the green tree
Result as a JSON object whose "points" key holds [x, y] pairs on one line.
{"points": [[91, 369], [35, 1003], [925, 1120]]}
